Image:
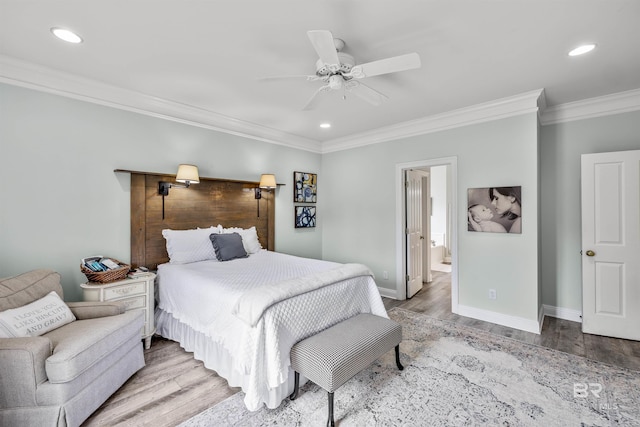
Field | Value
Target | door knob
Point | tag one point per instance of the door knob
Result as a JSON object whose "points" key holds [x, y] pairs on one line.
{"points": [[590, 253]]}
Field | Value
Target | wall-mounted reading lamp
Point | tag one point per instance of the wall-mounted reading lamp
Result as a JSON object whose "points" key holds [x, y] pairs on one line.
{"points": [[187, 175], [268, 182]]}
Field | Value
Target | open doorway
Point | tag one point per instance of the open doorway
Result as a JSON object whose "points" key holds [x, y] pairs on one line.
{"points": [[439, 220], [447, 243]]}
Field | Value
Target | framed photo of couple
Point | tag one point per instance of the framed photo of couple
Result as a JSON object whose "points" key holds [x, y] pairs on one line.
{"points": [[495, 209]]}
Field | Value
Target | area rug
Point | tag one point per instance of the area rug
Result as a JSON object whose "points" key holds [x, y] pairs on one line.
{"points": [[457, 376]]}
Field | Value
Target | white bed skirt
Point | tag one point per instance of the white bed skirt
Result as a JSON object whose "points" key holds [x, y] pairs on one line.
{"points": [[216, 357]]}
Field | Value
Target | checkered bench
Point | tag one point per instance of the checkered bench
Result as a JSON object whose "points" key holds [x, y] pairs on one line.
{"points": [[333, 356]]}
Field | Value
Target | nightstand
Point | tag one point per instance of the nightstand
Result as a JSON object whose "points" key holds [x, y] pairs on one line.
{"points": [[135, 294]]}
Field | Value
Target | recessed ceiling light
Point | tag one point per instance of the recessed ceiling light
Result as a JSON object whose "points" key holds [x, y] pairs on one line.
{"points": [[325, 125], [66, 35], [580, 50]]}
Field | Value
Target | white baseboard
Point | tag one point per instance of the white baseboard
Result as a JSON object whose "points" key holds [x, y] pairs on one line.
{"points": [[389, 293], [505, 319], [562, 313], [515, 322]]}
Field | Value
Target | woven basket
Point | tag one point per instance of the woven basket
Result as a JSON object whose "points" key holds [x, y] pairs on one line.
{"points": [[106, 276]]}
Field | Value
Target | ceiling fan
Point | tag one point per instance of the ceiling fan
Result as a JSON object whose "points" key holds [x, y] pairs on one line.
{"points": [[339, 71]]}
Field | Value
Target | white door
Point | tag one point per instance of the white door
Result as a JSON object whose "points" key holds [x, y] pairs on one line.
{"points": [[415, 238], [611, 244]]}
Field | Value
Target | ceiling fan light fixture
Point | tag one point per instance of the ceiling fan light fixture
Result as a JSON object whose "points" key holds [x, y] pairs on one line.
{"points": [[66, 35], [581, 50], [346, 62], [335, 82]]}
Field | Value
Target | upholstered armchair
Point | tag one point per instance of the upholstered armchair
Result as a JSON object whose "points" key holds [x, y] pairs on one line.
{"points": [[62, 376]]}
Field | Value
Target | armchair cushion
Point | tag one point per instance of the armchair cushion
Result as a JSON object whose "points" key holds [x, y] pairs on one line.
{"points": [[81, 344]]}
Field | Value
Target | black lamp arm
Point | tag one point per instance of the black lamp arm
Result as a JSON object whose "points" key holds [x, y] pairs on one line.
{"points": [[164, 186]]}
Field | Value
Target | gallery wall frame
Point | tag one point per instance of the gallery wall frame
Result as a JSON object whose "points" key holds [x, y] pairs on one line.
{"points": [[305, 216], [305, 187]]}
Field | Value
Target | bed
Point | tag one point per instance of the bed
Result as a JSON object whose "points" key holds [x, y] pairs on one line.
{"points": [[240, 316]]}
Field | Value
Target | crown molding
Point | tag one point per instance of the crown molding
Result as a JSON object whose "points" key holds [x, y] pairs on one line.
{"points": [[499, 109], [617, 103], [20, 73]]}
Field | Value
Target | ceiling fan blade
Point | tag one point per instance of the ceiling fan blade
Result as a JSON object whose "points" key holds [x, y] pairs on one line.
{"points": [[366, 93], [322, 42], [385, 66], [301, 76], [313, 101]]}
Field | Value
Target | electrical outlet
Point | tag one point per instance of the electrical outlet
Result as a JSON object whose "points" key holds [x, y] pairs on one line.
{"points": [[385, 275], [493, 294]]}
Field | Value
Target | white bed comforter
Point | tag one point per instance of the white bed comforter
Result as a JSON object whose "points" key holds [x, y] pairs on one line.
{"points": [[200, 299]]}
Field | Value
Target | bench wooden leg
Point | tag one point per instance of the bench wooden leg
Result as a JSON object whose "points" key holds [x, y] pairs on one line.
{"points": [[398, 358], [295, 386], [330, 422]]}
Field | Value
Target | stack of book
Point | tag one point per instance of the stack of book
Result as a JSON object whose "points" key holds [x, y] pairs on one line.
{"points": [[98, 264], [137, 273]]}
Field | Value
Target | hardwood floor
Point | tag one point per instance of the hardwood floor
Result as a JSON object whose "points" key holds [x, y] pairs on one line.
{"points": [[173, 386], [170, 389], [563, 335]]}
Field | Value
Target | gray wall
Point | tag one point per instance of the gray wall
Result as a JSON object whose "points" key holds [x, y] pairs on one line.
{"points": [[365, 227], [359, 186], [561, 147], [60, 200]]}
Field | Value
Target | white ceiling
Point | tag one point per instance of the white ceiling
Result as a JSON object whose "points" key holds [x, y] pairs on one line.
{"points": [[206, 57]]}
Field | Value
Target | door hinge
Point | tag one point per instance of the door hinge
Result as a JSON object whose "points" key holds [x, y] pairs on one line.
{"points": [[408, 278], [406, 184]]}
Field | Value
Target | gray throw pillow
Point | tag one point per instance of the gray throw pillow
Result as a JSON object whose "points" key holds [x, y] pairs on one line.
{"points": [[228, 246]]}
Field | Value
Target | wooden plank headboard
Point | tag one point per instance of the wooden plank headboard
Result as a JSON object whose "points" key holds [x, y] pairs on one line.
{"points": [[211, 202]]}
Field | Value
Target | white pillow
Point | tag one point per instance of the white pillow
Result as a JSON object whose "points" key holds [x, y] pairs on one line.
{"points": [[249, 238], [185, 246], [36, 318]]}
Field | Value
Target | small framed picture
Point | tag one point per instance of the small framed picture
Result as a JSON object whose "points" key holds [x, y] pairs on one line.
{"points": [[304, 187], [305, 216]]}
